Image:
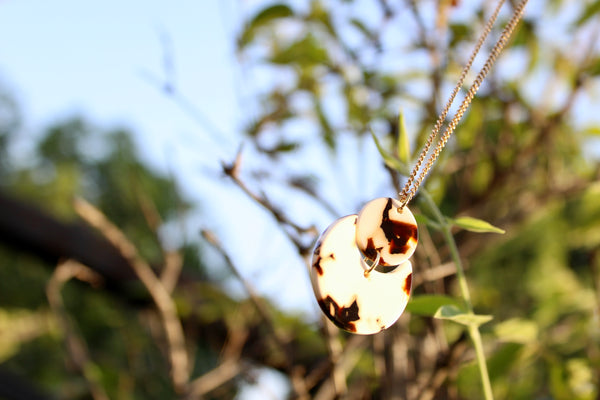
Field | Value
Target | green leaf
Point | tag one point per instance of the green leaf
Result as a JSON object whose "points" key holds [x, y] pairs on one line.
{"points": [[327, 130], [262, 18], [428, 304], [524, 34], [582, 377], [460, 32], [475, 225], [593, 67], [283, 146], [272, 12], [534, 51], [453, 313], [590, 11], [389, 159], [306, 52], [320, 14], [358, 24], [517, 330], [592, 131], [403, 146], [22, 326]]}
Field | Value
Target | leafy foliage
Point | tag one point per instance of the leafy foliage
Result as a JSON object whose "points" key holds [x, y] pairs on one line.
{"points": [[116, 333], [516, 160]]}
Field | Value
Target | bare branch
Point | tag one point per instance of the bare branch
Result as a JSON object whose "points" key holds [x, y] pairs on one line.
{"points": [[223, 373], [435, 273], [346, 362], [232, 170], [76, 346], [161, 297], [173, 261], [334, 345], [298, 382], [258, 303], [443, 369], [171, 270]]}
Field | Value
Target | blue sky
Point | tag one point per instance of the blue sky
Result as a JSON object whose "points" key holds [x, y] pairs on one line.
{"points": [[63, 57]]}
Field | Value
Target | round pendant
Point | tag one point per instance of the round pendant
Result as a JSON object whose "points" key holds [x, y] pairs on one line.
{"points": [[386, 231], [359, 302]]}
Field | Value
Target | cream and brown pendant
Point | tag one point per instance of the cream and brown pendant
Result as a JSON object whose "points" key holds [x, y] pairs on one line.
{"points": [[360, 271]]}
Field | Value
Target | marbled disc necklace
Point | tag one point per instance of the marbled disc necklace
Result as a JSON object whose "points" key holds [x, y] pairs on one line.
{"points": [[361, 273]]}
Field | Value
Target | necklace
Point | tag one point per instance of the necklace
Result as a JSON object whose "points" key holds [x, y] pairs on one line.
{"points": [[361, 273]]}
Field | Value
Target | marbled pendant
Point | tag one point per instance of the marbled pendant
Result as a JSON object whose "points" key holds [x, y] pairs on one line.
{"points": [[388, 230], [354, 301]]}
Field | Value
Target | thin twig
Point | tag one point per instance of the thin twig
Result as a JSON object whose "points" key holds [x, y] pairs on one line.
{"points": [[173, 261], [231, 365], [173, 264], [401, 371], [223, 373], [161, 297], [254, 298], [443, 369], [168, 88], [299, 384], [76, 346], [435, 274], [334, 346], [232, 170], [346, 362]]}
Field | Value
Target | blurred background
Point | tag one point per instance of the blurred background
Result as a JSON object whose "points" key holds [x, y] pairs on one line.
{"points": [[220, 138]]}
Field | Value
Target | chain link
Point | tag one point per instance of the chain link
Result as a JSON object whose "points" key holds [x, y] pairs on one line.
{"points": [[415, 179]]}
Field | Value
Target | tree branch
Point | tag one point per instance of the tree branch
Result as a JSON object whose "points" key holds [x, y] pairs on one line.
{"points": [[161, 297], [76, 346]]}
